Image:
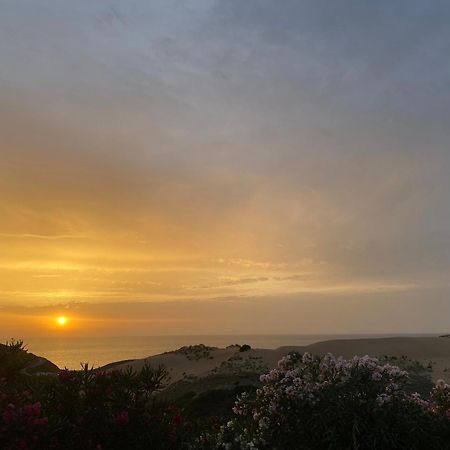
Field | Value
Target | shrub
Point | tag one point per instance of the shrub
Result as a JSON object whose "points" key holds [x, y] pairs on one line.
{"points": [[88, 409], [331, 403], [308, 402], [13, 360], [245, 348], [440, 399]]}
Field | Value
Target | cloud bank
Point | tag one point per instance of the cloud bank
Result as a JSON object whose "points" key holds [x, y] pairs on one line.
{"points": [[184, 151]]}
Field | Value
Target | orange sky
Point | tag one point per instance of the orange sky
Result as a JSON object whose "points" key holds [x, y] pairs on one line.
{"points": [[188, 168]]}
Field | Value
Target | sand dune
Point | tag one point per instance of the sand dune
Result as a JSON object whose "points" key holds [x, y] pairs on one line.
{"points": [[200, 361], [427, 350]]}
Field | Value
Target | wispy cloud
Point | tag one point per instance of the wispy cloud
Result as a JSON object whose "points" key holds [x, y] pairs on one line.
{"points": [[42, 236]]}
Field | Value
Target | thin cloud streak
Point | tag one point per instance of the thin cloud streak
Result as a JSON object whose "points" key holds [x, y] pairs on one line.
{"points": [[42, 236]]}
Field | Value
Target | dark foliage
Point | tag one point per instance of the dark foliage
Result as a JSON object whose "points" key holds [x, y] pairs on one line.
{"points": [[245, 348], [308, 403]]}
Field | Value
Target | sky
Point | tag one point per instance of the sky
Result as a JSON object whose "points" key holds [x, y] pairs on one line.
{"points": [[220, 167]]}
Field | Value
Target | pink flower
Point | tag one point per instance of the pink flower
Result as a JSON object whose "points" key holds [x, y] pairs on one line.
{"points": [[10, 414], [176, 420], [172, 436], [42, 421], [122, 419], [32, 410], [21, 444]]}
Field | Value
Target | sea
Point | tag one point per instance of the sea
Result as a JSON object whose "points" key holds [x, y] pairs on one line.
{"points": [[71, 352]]}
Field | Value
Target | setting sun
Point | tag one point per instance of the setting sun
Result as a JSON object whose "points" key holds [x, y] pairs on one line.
{"points": [[61, 321]]}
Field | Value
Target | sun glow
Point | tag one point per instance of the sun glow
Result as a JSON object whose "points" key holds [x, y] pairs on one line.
{"points": [[61, 321]]}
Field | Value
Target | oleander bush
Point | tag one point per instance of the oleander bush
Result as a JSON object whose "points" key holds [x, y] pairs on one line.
{"points": [[89, 409], [311, 402]]}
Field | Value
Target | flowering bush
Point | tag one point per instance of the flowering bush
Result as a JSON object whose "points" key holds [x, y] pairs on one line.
{"points": [[88, 409], [308, 402], [21, 418], [325, 402], [440, 399]]}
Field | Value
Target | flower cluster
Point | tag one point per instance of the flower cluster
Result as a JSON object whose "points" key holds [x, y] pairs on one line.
{"points": [[440, 399], [22, 421]]}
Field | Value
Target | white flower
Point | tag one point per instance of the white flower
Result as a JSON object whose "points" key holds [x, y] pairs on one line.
{"points": [[376, 376], [383, 398]]}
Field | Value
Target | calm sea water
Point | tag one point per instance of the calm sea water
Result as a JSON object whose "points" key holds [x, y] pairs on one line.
{"points": [[71, 351]]}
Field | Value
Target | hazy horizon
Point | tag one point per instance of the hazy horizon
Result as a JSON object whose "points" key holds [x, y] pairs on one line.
{"points": [[224, 166], [71, 351]]}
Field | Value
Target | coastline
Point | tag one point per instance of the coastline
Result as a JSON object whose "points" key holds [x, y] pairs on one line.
{"points": [[200, 361]]}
